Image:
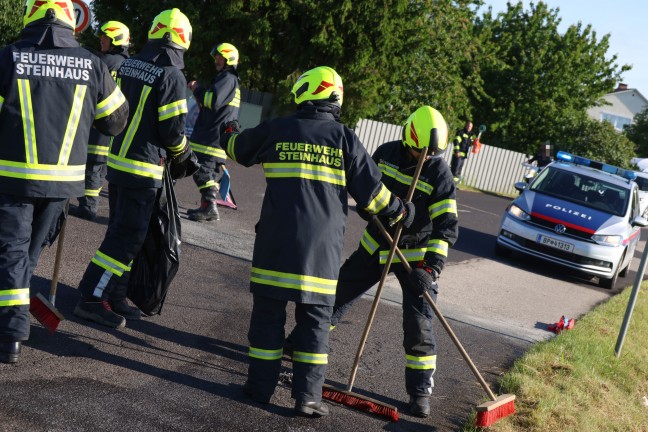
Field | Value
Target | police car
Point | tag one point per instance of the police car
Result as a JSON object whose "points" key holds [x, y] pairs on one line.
{"points": [[578, 213], [642, 182]]}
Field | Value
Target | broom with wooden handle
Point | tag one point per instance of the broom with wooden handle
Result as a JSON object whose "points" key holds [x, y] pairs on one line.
{"points": [[499, 406], [347, 397], [42, 309]]}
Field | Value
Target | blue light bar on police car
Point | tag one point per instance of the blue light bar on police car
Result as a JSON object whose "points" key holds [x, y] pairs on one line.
{"points": [[579, 160]]}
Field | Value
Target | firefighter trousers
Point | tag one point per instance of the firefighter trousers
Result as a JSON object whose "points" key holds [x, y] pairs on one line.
{"points": [[94, 179], [130, 213], [456, 166], [28, 225], [210, 172], [358, 274], [310, 355]]}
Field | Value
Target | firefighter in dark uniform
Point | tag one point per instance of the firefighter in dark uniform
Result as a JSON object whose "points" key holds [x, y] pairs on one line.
{"points": [[219, 103], [311, 162], [461, 147], [155, 87], [425, 245], [51, 93], [114, 42], [543, 157]]}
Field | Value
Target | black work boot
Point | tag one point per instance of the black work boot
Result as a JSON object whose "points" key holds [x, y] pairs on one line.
{"points": [[120, 305], [124, 309], [10, 352], [311, 409], [207, 211], [419, 406], [100, 312], [82, 212]]}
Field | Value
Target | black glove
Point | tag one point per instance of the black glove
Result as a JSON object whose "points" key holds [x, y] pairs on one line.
{"points": [[364, 214], [422, 279], [232, 127], [405, 213], [183, 165]]}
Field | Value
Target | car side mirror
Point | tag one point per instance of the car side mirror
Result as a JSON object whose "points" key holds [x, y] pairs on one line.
{"points": [[520, 186], [639, 221]]}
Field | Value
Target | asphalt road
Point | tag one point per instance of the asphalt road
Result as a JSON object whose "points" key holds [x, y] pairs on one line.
{"points": [[183, 370]]}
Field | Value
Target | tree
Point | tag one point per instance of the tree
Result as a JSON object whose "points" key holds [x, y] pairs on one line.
{"points": [[538, 80], [393, 55], [638, 132], [10, 20], [597, 140]]}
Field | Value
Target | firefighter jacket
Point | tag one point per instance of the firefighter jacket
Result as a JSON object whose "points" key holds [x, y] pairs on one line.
{"points": [[155, 87], [51, 92], [98, 143], [435, 227], [462, 143], [218, 104], [311, 163]]}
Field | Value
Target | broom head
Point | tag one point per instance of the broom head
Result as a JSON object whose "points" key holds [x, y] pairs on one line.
{"points": [[45, 312], [491, 411], [360, 402]]}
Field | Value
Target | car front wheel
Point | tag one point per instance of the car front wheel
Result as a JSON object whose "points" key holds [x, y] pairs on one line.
{"points": [[609, 283]]}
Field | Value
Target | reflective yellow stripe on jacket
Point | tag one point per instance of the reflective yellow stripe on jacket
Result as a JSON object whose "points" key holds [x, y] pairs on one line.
{"points": [[211, 151], [311, 358], [293, 281], [380, 201], [414, 362], [143, 169], [230, 147], [173, 109], [439, 247], [60, 173], [1, 102], [305, 171], [207, 99], [110, 104], [405, 179], [444, 206], [236, 102], [120, 161], [264, 354], [14, 297], [27, 112], [72, 124]]}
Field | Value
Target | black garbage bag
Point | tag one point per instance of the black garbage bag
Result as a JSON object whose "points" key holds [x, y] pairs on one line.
{"points": [[157, 263]]}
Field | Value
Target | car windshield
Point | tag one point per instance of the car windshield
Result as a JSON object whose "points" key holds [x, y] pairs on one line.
{"points": [[642, 182], [584, 190]]}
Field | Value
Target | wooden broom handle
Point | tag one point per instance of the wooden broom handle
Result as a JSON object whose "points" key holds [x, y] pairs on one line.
{"points": [[383, 277], [59, 255], [439, 315]]}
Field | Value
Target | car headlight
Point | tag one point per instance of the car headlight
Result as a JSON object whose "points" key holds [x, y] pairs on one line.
{"points": [[608, 240], [518, 213]]}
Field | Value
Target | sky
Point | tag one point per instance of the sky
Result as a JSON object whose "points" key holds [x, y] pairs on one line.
{"points": [[624, 20]]}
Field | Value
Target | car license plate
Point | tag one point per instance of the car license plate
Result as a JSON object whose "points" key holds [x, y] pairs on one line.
{"points": [[554, 243]]}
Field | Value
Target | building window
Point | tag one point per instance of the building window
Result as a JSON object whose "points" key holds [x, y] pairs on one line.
{"points": [[617, 121]]}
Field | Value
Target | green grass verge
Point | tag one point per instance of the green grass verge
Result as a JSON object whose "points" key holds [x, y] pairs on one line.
{"points": [[574, 382]]}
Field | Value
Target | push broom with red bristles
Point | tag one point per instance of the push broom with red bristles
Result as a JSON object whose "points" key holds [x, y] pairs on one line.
{"points": [[499, 406], [347, 397], [42, 309]]}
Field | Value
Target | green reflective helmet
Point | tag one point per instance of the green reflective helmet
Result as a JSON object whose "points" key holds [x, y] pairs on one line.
{"points": [[319, 84], [116, 31], [59, 10], [426, 127], [228, 51], [172, 27]]}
